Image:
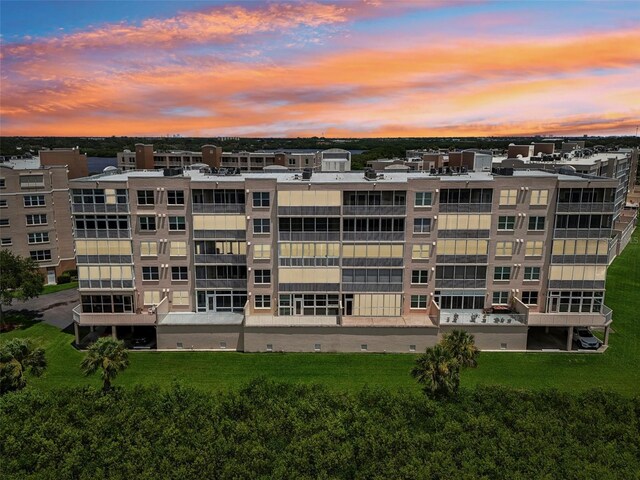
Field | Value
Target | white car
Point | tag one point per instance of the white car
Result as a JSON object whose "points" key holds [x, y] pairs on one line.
{"points": [[585, 339]]}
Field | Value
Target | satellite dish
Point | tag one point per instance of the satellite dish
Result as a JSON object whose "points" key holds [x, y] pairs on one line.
{"points": [[110, 168]]}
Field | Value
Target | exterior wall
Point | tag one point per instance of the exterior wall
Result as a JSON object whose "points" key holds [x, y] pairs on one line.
{"points": [[75, 162], [514, 150], [200, 337], [490, 338], [339, 339], [546, 148], [144, 157]]}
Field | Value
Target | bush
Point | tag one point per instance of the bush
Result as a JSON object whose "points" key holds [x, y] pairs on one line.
{"points": [[64, 278]]}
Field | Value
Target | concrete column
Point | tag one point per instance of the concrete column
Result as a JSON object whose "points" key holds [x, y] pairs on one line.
{"points": [[92, 328], [569, 338], [113, 332], [606, 334], [76, 330], [546, 329]]}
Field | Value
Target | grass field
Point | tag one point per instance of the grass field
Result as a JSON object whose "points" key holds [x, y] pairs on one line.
{"points": [[59, 287], [618, 369]]}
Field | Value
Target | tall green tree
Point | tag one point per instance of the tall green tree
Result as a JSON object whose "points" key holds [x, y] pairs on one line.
{"points": [[462, 346], [17, 356], [438, 371], [19, 278], [107, 355]]}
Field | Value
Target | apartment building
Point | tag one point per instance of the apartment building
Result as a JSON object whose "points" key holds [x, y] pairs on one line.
{"points": [[35, 215], [144, 157], [277, 261]]}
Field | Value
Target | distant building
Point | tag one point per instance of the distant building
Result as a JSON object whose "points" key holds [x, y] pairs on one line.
{"points": [[35, 214]]}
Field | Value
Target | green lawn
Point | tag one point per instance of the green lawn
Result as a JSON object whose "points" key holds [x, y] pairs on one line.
{"points": [[59, 287], [618, 369]]}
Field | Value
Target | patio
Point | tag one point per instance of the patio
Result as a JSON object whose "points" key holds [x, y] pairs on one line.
{"points": [[476, 317]]}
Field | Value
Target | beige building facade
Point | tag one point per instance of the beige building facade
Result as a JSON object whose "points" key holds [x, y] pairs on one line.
{"points": [[274, 261]]}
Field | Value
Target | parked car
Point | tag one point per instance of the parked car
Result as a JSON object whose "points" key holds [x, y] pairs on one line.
{"points": [[585, 339], [140, 342]]}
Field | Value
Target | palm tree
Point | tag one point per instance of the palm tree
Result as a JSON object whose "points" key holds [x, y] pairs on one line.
{"points": [[17, 356], [462, 346], [108, 355], [438, 371]]}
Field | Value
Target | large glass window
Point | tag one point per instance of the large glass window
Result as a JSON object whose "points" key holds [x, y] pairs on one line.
{"points": [[466, 195], [34, 201], [38, 237], [107, 303], [40, 255], [37, 219]]}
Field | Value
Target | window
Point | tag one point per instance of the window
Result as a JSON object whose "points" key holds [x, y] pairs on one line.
{"points": [[423, 199], [539, 197], [506, 222], [502, 273], [262, 277], [34, 201], [148, 249], [292, 161], [532, 273], [150, 273], [180, 297], [420, 276], [146, 197], [147, 224], [530, 298], [3, 183], [151, 297], [4, 222], [466, 195], [40, 255], [504, 249], [421, 225], [29, 181], [175, 197], [178, 249], [3, 203], [263, 301], [418, 301], [106, 303], [261, 225], [38, 237], [536, 223], [5, 242], [262, 252], [420, 252], [179, 273], [500, 298], [260, 199], [533, 248], [37, 219], [177, 223], [508, 197]]}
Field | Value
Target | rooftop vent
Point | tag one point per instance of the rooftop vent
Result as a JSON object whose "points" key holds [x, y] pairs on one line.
{"points": [[306, 174], [172, 172], [370, 174]]}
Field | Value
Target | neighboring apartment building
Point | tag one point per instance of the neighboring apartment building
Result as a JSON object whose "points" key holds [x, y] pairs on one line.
{"points": [[275, 261], [144, 157], [35, 216]]}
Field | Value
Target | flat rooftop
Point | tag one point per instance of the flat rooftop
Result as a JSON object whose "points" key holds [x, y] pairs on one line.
{"points": [[353, 177]]}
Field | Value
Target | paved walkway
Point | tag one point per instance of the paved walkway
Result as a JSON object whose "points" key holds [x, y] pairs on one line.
{"points": [[53, 308]]}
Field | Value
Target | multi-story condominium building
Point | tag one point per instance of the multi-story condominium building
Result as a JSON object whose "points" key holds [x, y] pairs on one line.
{"points": [[35, 216], [271, 261], [144, 157]]}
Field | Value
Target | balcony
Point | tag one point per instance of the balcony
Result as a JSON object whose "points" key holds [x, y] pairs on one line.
{"points": [[373, 236], [309, 236], [220, 234], [461, 258], [465, 207], [104, 259], [460, 283], [477, 317], [372, 287], [375, 210], [221, 283], [108, 284], [582, 233]]}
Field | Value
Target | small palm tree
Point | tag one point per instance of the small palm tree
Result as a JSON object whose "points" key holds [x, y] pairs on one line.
{"points": [[17, 356], [438, 371], [107, 355], [462, 346]]}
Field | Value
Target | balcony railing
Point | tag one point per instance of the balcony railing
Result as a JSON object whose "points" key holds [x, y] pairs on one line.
{"points": [[104, 259], [147, 317], [219, 208], [580, 259], [464, 233], [309, 236], [581, 319], [582, 233], [376, 210], [222, 283], [221, 259], [220, 234], [109, 284], [461, 258], [465, 207], [459, 283], [100, 208], [310, 211], [372, 262], [586, 207], [102, 233], [309, 287], [372, 287], [373, 236]]}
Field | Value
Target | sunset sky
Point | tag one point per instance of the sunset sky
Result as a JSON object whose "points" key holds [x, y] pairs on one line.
{"points": [[369, 68]]}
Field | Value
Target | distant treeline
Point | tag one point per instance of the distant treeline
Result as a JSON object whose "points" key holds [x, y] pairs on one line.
{"points": [[271, 430], [375, 147]]}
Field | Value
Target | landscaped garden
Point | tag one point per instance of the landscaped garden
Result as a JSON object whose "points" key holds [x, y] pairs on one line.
{"points": [[618, 369]]}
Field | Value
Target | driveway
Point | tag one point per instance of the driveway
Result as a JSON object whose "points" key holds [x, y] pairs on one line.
{"points": [[53, 308]]}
